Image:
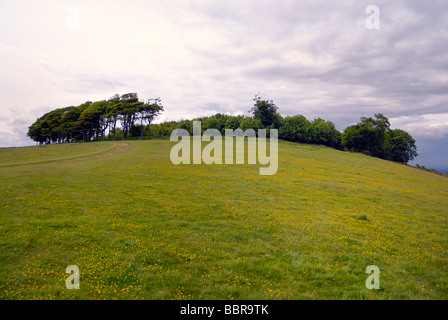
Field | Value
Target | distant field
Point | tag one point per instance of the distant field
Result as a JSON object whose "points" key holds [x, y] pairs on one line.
{"points": [[139, 227]]}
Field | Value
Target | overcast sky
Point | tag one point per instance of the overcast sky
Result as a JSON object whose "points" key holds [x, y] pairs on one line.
{"points": [[315, 58]]}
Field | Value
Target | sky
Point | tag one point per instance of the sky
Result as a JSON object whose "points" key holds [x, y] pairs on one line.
{"points": [[338, 60]]}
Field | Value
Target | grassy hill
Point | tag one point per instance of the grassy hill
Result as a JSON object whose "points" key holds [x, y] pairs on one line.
{"points": [[139, 227]]}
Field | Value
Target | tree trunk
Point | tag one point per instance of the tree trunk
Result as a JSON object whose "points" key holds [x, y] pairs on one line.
{"points": [[142, 132], [115, 124]]}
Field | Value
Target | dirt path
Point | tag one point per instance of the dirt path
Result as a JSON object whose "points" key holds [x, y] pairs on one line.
{"points": [[118, 148], [121, 147]]}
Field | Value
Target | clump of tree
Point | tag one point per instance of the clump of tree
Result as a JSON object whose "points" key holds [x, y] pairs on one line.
{"points": [[129, 117], [295, 128], [373, 136], [266, 112], [264, 116], [95, 120]]}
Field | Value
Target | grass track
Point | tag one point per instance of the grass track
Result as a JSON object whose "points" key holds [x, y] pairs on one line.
{"points": [[139, 227], [11, 157]]}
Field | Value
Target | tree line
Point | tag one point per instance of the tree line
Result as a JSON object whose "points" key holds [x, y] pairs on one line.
{"points": [[91, 121], [371, 136]]}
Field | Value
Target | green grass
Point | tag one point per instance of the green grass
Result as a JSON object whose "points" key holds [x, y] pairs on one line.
{"points": [[42, 154], [139, 227]]}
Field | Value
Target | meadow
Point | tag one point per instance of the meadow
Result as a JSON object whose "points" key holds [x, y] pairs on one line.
{"points": [[139, 227]]}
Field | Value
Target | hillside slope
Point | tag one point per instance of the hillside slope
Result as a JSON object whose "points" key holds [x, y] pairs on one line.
{"points": [[139, 227]]}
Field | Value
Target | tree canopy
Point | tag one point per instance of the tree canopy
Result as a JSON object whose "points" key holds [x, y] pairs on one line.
{"points": [[266, 112], [374, 137], [91, 120], [131, 117]]}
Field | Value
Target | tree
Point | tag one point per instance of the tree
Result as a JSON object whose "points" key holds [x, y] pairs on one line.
{"points": [[296, 129], [125, 108], [68, 128], [367, 135], [233, 122], [251, 123], [400, 146], [35, 131], [129, 106], [266, 112], [49, 128], [373, 135], [148, 111], [113, 113], [324, 132], [91, 120]]}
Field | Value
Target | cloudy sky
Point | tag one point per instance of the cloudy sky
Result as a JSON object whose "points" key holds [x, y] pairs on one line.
{"points": [[319, 58]]}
